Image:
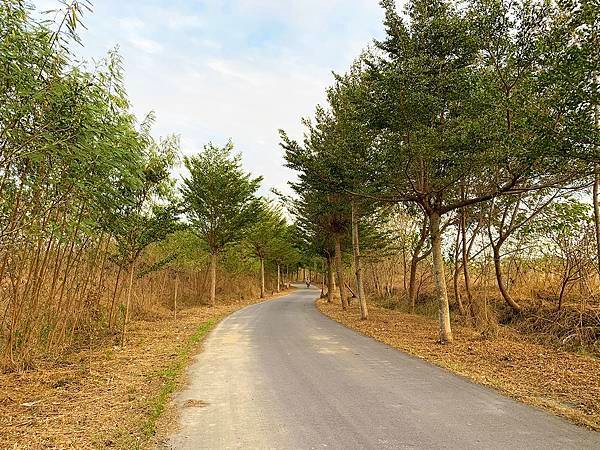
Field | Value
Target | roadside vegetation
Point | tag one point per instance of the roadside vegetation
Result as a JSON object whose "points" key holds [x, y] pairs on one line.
{"points": [[454, 170], [106, 396], [94, 230], [448, 192], [107, 260]]}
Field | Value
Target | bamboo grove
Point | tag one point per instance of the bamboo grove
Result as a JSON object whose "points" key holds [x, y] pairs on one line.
{"points": [[455, 164], [93, 228]]}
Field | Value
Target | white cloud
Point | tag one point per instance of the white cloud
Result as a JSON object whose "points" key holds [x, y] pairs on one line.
{"points": [[178, 21], [145, 45], [240, 69], [131, 24], [230, 69]]}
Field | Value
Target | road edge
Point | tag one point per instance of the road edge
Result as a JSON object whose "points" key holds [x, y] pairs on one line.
{"points": [[547, 408], [164, 413]]}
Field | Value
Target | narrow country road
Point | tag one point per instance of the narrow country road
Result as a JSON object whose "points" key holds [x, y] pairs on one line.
{"points": [[281, 375]]}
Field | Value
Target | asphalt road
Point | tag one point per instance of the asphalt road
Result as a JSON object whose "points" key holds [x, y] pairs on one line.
{"points": [[281, 375]]}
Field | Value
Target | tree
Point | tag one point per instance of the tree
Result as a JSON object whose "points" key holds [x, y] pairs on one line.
{"points": [[567, 230], [356, 139], [451, 96], [145, 213], [283, 252], [219, 200], [326, 215], [318, 205]]}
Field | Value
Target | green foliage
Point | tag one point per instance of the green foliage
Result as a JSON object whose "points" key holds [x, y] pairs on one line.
{"points": [[451, 110], [463, 109], [456, 106], [218, 196], [267, 234], [78, 153], [80, 181], [236, 260], [187, 248], [143, 212], [568, 218]]}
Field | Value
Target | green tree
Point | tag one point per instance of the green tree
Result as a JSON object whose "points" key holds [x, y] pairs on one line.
{"points": [[145, 212], [460, 117], [284, 253], [219, 200]]}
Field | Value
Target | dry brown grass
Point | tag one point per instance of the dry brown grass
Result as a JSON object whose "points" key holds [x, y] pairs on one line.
{"points": [[564, 383], [98, 398]]}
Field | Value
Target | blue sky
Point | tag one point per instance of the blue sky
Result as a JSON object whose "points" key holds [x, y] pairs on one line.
{"points": [[240, 69]]}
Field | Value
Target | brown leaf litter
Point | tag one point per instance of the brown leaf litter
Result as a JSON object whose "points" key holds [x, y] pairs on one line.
{"points": [[97, 398]]}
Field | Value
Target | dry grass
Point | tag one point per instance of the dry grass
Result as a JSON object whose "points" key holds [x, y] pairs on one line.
{"points": [[103, 397], [564, 383]]}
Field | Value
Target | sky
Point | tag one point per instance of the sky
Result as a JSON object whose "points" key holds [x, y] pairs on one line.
{"points": [[212, 70]]}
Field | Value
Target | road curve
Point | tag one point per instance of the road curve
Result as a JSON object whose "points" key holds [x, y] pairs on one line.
{"points": [[281, 375]]}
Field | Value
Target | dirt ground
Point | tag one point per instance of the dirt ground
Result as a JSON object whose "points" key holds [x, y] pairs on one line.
{"points": [[566, 384], [98, 398]]}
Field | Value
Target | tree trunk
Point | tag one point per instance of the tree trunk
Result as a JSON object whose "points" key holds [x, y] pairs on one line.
{"points": [[175, 296], [364, 313], [597, 188], [114, 297], [412, 283], [596, 203], [440, 278], [404, 268], [333, 283], [262, 277], [278, 278], [465, 262], [127, 305], [499, 279], [376, 281], [456, 273], [330, 287], [213, 279], [340, 272], [561, 295]]}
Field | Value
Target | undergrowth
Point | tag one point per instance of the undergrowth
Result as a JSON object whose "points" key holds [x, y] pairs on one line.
{"points": [[573, 328]]}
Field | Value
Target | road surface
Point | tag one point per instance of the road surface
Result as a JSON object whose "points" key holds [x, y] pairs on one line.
{"points": [[281, 375]]}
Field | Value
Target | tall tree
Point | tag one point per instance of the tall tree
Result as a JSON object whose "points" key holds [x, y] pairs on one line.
{"points": [[145, 213], [451, 92], [219, 200]]}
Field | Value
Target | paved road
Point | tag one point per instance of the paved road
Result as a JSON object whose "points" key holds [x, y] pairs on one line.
{"points": [[281, 375]]}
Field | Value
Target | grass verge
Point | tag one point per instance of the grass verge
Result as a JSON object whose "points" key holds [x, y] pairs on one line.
{"points": [[171, 374]]}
